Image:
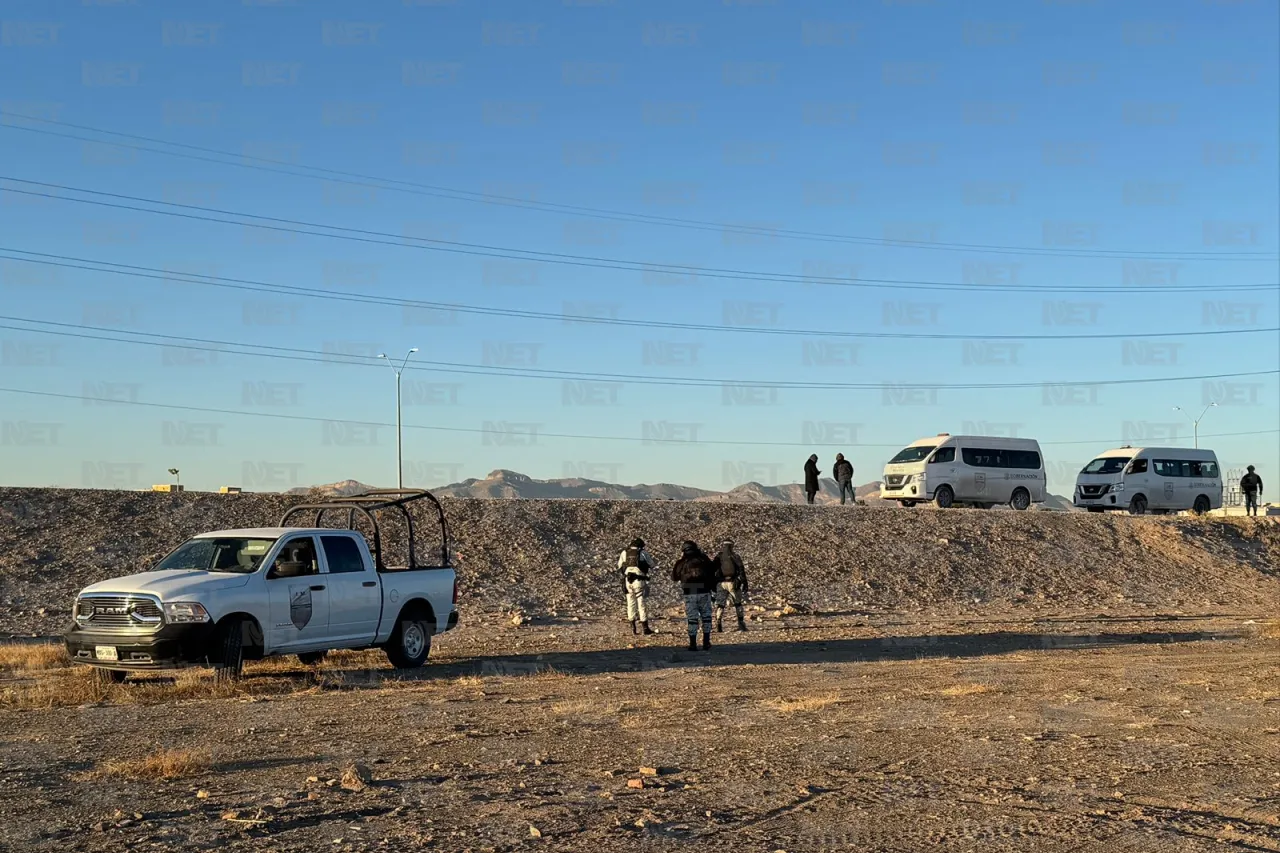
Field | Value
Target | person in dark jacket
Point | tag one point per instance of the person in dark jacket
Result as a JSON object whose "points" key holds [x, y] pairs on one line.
{"points": [[732, 586], [811, 474], [696, 575], [843, 472], [1251, 485]]}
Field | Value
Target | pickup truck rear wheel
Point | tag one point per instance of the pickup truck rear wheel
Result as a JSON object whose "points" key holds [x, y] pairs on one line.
{"points": [[229, 664], [410, 642]]}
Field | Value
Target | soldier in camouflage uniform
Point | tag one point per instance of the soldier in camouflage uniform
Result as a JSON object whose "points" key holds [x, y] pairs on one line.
{"points": [[732, 586], [696, 575], [635, 562]]}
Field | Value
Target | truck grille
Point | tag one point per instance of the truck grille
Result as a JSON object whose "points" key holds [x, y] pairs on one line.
{"points": [[118, 611]]}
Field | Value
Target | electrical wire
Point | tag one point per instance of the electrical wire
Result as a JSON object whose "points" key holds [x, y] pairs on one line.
{"points": [[131, 270], [538, 432], [415, 188], [293, 354], [293, 226]]}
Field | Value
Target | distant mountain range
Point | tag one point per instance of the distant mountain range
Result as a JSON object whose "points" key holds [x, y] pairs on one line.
{"points": [[511, 484]]}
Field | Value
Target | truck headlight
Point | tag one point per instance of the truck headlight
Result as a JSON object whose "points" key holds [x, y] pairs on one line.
{"points": [[177, 612]]}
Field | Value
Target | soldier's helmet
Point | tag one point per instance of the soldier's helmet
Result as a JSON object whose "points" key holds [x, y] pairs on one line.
{"points": [[1250, 469], [637, 542]]}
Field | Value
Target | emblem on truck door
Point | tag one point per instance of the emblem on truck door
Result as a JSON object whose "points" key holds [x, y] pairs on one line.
{"points": [[300, 606]]}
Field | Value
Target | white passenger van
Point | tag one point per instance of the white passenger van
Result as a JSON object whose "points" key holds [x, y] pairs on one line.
{"points": [[1151, 479], [972, 469]]}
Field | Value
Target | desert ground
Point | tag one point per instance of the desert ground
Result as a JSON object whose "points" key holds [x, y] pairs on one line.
{"points": [[959, 681]]}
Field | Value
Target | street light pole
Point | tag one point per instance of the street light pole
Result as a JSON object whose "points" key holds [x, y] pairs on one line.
{"points": [[1195, 422], [399, 444]]}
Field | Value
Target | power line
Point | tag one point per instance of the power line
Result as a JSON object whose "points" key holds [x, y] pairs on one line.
{"points": [[415, 188], [539, 433], [132, 270], [293, 354], [293, 226]]}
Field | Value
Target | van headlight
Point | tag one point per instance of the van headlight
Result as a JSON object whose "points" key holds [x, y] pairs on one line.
{"points": [[179, 612], [1118, 487]]}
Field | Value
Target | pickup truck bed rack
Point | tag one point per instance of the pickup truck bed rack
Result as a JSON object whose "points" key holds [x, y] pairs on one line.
{"points": [[368, 504]]}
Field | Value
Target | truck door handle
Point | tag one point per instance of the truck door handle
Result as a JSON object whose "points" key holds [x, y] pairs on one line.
{"points": [[318, 588], [369, 583]]}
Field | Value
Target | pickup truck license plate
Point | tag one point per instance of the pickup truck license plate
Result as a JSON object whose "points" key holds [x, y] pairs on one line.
{"points": [[105, 653]]}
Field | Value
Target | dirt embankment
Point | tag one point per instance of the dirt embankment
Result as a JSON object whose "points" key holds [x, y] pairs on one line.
{"points": [[559, 557]]}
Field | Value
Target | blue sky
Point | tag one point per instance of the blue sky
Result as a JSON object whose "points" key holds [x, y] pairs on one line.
{"points": [[1070, 133]]}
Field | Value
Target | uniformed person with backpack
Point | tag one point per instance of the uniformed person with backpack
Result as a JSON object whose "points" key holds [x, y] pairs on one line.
{"points": [[732, 586], [696, 574], [635, 563]]}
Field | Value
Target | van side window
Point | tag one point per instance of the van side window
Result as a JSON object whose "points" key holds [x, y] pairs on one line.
{"points": [[1208, 470], [983, 458], [1137, 466], [946, 454]]}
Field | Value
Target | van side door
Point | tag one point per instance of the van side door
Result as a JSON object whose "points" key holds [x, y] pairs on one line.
{"points": [[297, 595], [941, 469], [356, 600]]}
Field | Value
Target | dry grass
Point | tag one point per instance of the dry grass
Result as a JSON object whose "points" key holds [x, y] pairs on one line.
{"points": [[165, 764], [32, 657], [803, 703], [76, 686], [585, 708], [1270, 629], [957, 691]]}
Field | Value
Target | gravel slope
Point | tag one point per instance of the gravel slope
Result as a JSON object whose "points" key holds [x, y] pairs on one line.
{"points": [[557, 558]]}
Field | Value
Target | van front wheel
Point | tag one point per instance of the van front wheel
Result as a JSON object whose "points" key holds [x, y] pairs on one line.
{"points": [[1021, 499], [944, 497], [1201, 505]]}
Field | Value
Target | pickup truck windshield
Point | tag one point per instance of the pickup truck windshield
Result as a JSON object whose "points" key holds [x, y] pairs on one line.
{"points": [[911, 454], [1106, 465], [223, 554]]}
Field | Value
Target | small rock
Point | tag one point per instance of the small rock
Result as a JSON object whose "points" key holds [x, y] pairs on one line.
{"points": [[99, 827], [313, 778], [648, 771], [534, 832], [635, 783], [355, 778], [202, 795]]}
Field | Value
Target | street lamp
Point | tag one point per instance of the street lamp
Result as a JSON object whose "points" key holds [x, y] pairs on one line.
{"points": [[176, 478], [1195, 422], [399, 456]]}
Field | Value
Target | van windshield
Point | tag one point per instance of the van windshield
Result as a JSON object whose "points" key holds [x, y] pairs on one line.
{"points": [[222, 554], [1106, 465], [912, 454]]}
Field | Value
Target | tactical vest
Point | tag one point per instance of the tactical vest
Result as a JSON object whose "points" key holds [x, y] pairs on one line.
{"points": [[635, 566]]}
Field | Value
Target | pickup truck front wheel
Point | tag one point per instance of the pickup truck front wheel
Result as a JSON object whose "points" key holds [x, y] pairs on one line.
{"points": [[410, 642], [229, 650]]}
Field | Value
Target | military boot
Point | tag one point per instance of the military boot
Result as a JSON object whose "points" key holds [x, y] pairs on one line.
{"points": [[693, 642], [647, 629], [706, 641], [633, 627], [742, 624], [719, 623]]}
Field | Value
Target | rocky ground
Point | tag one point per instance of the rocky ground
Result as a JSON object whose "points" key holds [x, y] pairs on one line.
{"points": [[911, 680], [554, 559], [802, 735]]}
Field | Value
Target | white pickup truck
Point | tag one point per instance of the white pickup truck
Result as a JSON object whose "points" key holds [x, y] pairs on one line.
{"points": [[224, 597]]}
